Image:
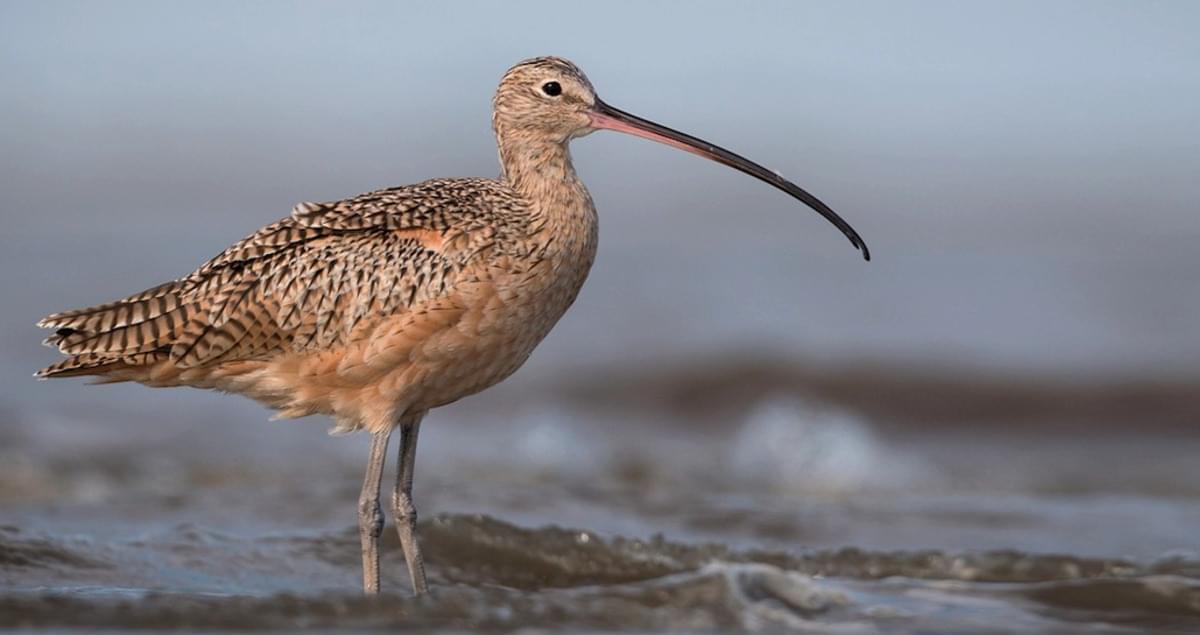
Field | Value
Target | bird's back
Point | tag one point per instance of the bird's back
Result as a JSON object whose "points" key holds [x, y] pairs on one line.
{"points": [[306, 282]]}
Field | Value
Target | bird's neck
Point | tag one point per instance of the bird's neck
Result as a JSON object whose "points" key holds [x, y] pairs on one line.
{"points": [[562, 213], [538, 168]]}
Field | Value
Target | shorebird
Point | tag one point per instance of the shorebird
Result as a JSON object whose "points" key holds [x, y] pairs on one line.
{"points": [[378, 308]]}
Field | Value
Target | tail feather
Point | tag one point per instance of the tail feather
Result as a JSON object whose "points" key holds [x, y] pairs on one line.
{"points": [[77, 366], [107, 337], [55, 341], [98, 364], [142, 336], [134, 309]]}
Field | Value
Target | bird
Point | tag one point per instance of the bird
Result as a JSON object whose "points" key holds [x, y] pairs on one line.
{"points": [[376, 309]]}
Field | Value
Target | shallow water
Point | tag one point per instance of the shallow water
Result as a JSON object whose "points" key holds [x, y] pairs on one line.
{"points": [[542, 510], [492, 575]]}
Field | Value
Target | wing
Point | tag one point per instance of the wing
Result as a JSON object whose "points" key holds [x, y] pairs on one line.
{"points": [[303, 283]]}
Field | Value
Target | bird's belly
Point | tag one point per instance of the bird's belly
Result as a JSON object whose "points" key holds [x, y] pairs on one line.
{"points": [[505, 316]]}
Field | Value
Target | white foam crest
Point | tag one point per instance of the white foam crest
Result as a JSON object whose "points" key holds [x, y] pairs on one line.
{"points": [[788, 444], [772, 597]]}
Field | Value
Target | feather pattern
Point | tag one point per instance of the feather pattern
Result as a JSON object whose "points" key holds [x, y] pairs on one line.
{"points": [[304, 282]]}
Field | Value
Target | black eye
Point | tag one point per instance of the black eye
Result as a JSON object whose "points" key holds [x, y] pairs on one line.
{"points": [[554, 89]]}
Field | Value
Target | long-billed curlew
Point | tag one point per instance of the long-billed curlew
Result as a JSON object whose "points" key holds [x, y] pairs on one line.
{"points": [[378, 308]]}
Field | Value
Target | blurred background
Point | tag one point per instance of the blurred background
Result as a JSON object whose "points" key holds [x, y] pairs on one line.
{"points": [[1017, 368]]}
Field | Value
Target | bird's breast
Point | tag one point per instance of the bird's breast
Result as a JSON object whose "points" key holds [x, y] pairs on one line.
{"points": [[542, 282], [510, 299]]}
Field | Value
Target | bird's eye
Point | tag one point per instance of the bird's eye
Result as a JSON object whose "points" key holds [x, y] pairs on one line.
{"points": [[554, 89]]}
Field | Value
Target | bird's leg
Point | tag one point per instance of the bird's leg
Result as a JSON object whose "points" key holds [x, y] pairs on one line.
{"points": [[370, 516], [402, 504]]}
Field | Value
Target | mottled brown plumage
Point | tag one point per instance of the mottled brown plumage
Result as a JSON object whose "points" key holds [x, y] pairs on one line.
{"points": [[378, 308], [367, 309]]}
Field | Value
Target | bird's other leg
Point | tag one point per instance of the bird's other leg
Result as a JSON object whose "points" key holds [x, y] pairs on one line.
{"points": [[370, 516], [402, 504]]}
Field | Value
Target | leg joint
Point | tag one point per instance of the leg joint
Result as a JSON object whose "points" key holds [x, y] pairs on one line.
{"points": [[403, 508], [370, 517]]}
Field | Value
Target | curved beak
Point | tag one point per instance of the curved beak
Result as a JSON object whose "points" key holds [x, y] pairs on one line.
{"points": [[606, 117]]}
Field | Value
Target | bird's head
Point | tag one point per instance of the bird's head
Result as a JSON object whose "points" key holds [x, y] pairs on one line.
{"points": [[545, 97]]}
